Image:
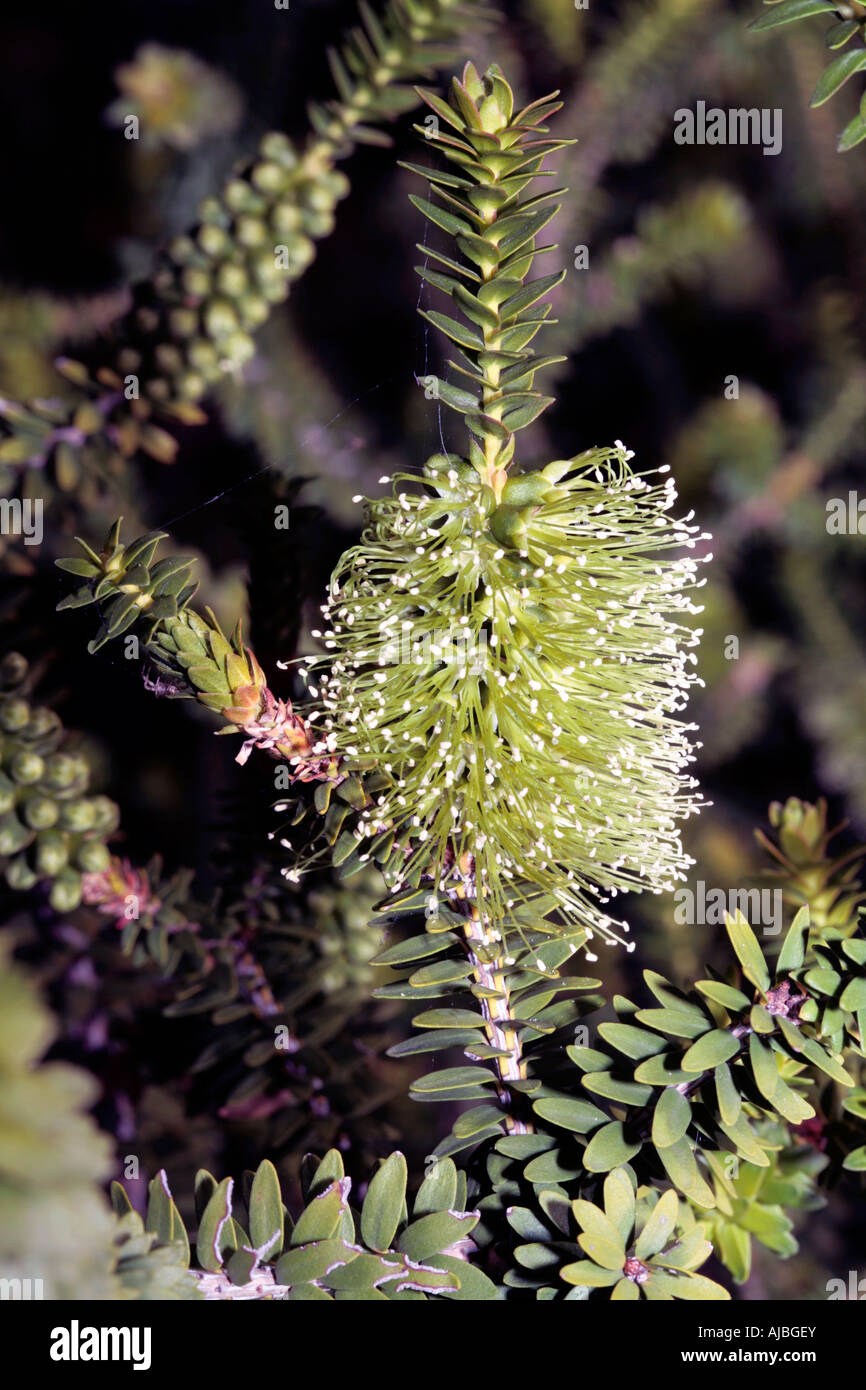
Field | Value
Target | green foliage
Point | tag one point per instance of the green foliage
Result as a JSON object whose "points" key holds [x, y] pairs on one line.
{"points": [[497, 154], [189, 654], [51, 831], [640, 1245], [751, 1201], [248, 1246], [808, 874], [851, 25], [194, 321], [55, 1224]]}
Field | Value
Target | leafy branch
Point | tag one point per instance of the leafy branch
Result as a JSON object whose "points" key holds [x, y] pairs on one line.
{"points": [[849, 29]]}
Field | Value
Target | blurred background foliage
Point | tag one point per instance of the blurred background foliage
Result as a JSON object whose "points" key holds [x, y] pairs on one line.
{"points": [[712, 317]]}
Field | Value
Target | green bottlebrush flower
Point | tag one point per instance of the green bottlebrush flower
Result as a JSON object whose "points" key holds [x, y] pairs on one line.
{"points": [[516, 667], [508, 649]]}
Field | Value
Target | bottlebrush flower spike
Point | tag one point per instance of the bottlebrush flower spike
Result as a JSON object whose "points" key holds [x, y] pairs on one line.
{"points": [[522, 697], [511, 650]]}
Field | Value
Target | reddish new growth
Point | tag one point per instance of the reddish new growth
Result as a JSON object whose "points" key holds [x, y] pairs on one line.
{"points": [[121, 892], [784, 1000], [635, 1270]]}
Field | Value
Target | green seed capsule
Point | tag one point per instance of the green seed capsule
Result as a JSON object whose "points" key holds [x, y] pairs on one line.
{"points": [[319, 224], [65, 894], [51, 852], [76, 816], [237, 349], [43, 723], [19, 875], [40, 812], [211, 210], [190, 386], [92, 857], [169, 359], [336, 182], [14, 714], [13, 835], [285, 219], [220, 319], [214, 241], [277, 146], [183, 322], [106, 816], [232, 280], [8, 793], [253, 310], [13, 669], [26, 768], [196, 282], [270, 177], [182, 250], [239, 197], [316, 196], [251, 231], [64, 771], [203, 355]]}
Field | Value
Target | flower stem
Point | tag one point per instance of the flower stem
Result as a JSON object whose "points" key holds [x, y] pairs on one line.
{"points": [[491, 976]]}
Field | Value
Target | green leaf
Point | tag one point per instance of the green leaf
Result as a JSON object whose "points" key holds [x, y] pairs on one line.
{"points": [[313, 1261], [383, 1204], [457, 332], [793, 951], [636, 1043], [837, 73], [474, 1284], [594, 1222], [608, 1254], [660, 1226], [671, 1118], [727, 1094], [853, 997], [815, 1054], [789, 12], [682, 1169], [424, 1238], [709, 1051], [732, 999], [163, 1217], [267, 1225], [587, 1273], [764, 1068], [619, 1203], [214, 1232], [838, 34], [450, 1077], [320, 1219], [608, 1149], [856, 1160], [438, 1191], [745, 944]]}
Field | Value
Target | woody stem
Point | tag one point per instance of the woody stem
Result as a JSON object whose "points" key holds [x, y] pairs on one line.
{"points": [[494, 1002]]}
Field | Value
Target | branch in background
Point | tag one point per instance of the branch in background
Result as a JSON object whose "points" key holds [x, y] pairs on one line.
{"points": [[847, 34], [52, 832], [194, 322]]}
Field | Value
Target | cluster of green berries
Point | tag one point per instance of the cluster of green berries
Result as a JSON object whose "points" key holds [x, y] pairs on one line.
{"points": [[50, 829], [345, 934], [216, 286]]}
